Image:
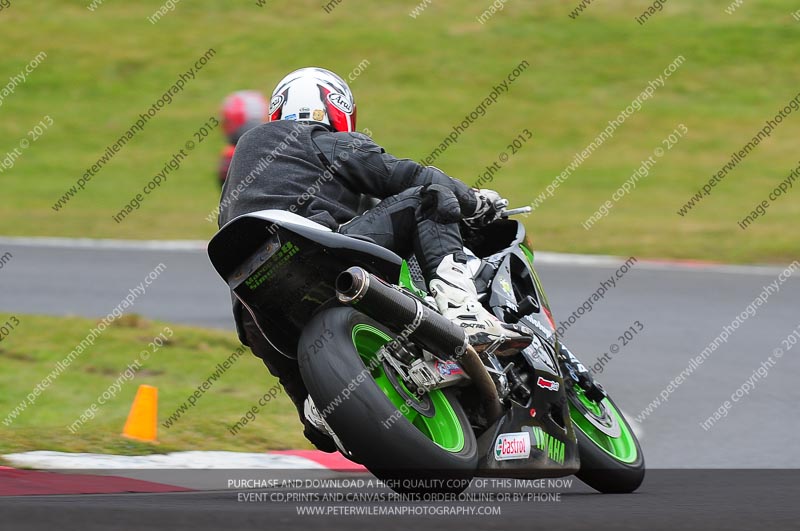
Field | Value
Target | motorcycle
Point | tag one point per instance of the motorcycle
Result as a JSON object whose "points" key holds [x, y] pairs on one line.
{"points": [[399, 385]]}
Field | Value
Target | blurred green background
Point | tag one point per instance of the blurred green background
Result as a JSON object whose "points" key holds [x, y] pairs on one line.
{"points": [[424, 74]]}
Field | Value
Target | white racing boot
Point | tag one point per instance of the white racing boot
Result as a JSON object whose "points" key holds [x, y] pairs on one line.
{"points": [[457, 299]]}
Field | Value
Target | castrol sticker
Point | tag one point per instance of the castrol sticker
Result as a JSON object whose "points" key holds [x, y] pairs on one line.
{"points": [[512, 446]]}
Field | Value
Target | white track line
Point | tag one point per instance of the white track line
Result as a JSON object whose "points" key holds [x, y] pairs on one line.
{"points": [[541, 257], [90, 243], [43, 459], [599, 260]]}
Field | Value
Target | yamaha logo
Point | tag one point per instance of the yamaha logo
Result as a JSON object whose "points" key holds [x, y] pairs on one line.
{"points": [[341, 102]]}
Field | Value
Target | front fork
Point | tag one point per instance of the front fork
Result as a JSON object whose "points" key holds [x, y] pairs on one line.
{"points": [[577, 371], [570, 365]]}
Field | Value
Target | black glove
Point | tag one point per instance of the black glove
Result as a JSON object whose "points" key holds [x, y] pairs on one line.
{"points": [[490, 206]]}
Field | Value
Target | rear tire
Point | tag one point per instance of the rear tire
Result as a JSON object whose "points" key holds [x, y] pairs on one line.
{"points": [[366, 409]]}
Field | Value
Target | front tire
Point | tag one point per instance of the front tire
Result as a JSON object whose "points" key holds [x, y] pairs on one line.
{"points": [[372, 411], [611, 457]]}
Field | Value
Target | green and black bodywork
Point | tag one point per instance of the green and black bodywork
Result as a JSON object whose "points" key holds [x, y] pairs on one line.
{"points": [[356, 358]]}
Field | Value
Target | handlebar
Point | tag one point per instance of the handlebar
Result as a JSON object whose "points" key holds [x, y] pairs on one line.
{"points": [[515, 211]]}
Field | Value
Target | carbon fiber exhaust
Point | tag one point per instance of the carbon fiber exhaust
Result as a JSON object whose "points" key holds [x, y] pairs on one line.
{"points": [[412, 320], [402, 313]]}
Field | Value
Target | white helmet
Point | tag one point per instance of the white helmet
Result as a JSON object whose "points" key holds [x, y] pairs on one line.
{"points": [[314, 95]]}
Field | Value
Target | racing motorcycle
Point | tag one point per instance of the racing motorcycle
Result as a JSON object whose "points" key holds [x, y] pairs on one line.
{"points": [[399, 386]]}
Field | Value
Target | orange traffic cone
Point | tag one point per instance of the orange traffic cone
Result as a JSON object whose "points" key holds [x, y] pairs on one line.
{"points": [[143, 418]]}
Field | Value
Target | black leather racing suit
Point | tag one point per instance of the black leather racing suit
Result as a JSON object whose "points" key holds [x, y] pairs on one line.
{"points": [[322, 175]]}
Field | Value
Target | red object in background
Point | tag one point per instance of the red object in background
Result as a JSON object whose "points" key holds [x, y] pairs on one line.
{"points": [[242, 111], [225, 162]]}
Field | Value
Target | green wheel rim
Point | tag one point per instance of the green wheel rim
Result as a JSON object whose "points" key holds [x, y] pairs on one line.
{"points": [[444, 427], [621, 448]]}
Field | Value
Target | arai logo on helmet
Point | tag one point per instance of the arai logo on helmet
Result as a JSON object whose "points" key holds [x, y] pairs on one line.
{"points": [[276, 102], [340, 102], [512, 446]]}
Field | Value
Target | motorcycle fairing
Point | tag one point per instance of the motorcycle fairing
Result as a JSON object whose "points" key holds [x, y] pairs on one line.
{"points": [[283, 267], [545, 416]]}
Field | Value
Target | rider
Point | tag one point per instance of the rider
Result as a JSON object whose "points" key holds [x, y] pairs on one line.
{"points": [[241, 111], [309, 160]]}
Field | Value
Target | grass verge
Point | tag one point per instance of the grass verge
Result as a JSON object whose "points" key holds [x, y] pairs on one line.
{"points": [[188, 358]]}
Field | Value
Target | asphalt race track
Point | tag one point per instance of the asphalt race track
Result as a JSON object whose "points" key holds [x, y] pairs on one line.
{"points": [[668, 500], [680, 310]]}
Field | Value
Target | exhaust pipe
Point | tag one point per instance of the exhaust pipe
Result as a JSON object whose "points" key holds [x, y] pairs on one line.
{"points": [[410, 319], [402, 313]]}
